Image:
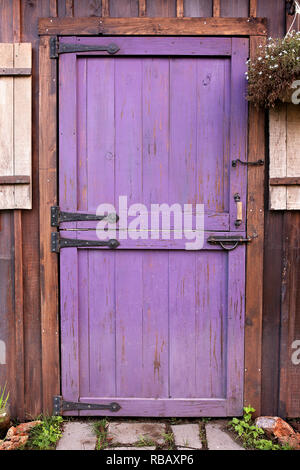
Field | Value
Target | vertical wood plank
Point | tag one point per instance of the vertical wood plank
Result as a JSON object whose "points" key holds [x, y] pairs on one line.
{"points": [[142, 7], [105, 7], [198, 8], [6, 126], [17, 20], [161, 9], [121, 9], [48, 198], [235, 8], [179, 9], [293, 155], [255, 253], [278, 155], [216, 8], [69, 8], [53, 7], [253, 8], [19, 314], [22, 125]]}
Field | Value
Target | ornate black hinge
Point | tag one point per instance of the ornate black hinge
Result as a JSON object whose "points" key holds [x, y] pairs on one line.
{"points": [[59, 217], [57, 243], [228, 243], [258, 163], [60, 406], [57, 48]]}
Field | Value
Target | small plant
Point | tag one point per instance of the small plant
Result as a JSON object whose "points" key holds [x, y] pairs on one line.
{"points": [[169, 439], [45, 435], [4, 396], [251, 435], [272, 73], [100, 429], [145, 442]]}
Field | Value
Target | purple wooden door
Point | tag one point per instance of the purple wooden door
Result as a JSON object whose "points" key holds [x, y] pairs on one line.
{"points": [[152, 326]]}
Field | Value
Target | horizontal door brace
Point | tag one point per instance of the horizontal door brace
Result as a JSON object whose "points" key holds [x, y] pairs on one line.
{"points": [[60, 406], [57, 243], [18, 179], [15, 72], [286, 181], [57, 48]]}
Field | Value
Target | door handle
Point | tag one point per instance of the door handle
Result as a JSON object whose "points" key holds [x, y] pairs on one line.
{"points": [[228, 243], [239, 210]]}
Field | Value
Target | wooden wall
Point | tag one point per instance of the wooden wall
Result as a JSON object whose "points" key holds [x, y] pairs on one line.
{"points": [[20, 310]]}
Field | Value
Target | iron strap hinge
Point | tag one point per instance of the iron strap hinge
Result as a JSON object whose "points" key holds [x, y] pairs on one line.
{"points": [[59, 217], [57, 243], [60, 406], [57, 48], [228, 243]]}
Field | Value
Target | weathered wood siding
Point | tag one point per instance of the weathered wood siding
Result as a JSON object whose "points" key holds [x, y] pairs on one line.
{"points": [[281, 321]]}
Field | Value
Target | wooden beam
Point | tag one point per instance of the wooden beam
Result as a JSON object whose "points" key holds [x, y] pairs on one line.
{"points": [[179, 9], [153, 26], [216, 8], [21, 179], [105, 8], [69, 8], [287, 181], [142, 8], [253, 8], [255, 252], [48, 198]]}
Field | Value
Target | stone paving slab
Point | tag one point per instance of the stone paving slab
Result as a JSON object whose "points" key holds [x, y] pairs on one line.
{"points": [[77, 436], [131, 433], [187, 436], [218, 439]]}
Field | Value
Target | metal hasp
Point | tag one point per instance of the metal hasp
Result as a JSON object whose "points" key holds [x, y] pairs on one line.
{"points": [[60, 406], [58, 217], [57, 48], [57, 243], [228, 243], [258, 163]]}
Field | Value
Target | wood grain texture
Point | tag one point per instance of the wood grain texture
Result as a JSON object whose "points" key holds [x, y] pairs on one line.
{"points": [[235, 8], [180, 8], [161, 9], [255, 254], [253, 8], [105, 8], [142, 7], [293, 155], [150, 26], [216, 8], [278, 155], [69, 8], [119, 8], [48, 198], [198, 8]]}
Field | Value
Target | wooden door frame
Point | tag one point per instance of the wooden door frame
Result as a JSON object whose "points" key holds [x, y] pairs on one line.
{"points": [[256, 30]]}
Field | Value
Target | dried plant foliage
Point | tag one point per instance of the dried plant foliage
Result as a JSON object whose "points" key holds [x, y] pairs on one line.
{"points": [[272, 73]]}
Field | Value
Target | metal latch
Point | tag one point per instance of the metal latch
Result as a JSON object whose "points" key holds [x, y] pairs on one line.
{"points": [[228, 243], [57, 243], [258, 163], [60, 406], [57, 48], [59, 217]]}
